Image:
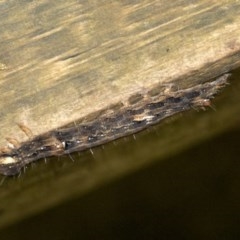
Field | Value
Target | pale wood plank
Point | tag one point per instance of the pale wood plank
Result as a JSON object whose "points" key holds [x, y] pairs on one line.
{"points": [[63, 60]]}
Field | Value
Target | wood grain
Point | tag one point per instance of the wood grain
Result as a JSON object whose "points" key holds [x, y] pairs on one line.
{"points": [[63, 60]]}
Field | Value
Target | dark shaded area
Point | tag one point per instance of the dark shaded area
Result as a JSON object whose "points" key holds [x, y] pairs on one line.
{"points": [[194, 195]]}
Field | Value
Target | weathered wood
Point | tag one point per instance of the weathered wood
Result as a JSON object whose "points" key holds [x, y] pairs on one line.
{"points": [[61, 60]]}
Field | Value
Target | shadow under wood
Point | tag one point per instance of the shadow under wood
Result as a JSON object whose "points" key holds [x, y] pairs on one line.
{"points": [[193, 195]]}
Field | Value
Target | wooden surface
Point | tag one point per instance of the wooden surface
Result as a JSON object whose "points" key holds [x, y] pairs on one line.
{"points": [[189, 186], [61, 60]]}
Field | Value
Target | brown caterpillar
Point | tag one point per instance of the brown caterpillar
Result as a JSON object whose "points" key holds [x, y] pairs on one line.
{"points": [[117, 121]]}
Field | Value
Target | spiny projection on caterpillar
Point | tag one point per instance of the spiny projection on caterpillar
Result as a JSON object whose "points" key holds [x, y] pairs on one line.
{"points": [[114, 122]]}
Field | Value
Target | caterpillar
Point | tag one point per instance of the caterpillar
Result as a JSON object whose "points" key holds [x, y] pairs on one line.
{"points": [[140, 111]]}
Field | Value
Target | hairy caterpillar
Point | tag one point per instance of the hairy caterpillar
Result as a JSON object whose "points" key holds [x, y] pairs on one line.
{"points": [[109, 124]]}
